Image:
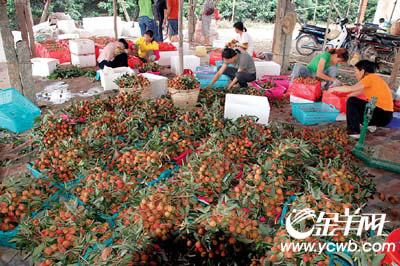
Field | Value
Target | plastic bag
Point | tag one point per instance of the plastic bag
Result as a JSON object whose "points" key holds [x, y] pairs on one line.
{"points": [[215, 56], [306, 91], [336, 99]]}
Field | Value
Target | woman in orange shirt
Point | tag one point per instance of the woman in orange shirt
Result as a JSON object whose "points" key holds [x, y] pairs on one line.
{"points": [[370, 85]]}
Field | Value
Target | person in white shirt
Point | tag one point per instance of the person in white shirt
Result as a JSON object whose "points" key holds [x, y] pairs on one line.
{"points": [[243, 38]]}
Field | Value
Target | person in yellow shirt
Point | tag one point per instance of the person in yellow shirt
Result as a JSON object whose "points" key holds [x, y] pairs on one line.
{"points": [[371, 85], [148, 50]]}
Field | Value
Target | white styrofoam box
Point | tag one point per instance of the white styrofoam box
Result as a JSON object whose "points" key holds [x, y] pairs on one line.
{"points": [[186, 46], [165, 57], [237, 105], [83, 60], [294, 99], [102, 26], [2, 53], [81, 47], [158, 85], [17, 36], [108, 75], [189, 62], [219, 43], [131, 29], [66, 26], [84, 34], [43, 67], [267, 68], [68, 36]]}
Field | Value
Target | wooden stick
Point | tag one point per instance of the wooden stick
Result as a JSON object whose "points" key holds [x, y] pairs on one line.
{"points": [[180, 37], [327, 26], [395, 71], [122, 2], [45, 11], [115, 19]]}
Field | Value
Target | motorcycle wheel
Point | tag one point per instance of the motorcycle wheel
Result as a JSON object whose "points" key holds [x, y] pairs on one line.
{"points": [[369, 53], [305, 41]]}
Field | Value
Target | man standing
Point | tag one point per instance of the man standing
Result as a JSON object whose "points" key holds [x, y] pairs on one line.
{"points": [[161, 8], [146, 18], [172, 15]]}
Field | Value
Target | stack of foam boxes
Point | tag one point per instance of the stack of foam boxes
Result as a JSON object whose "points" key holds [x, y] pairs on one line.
{"points": [[82, 53]]}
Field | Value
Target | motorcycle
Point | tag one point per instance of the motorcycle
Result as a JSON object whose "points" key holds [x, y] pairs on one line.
{"points": [[311, 38], [372, 45]]}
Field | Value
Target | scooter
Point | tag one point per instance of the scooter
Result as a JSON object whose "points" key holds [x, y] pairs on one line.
{"points": [[311, 38]]}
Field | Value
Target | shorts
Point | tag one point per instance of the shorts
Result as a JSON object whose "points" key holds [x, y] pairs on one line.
{"points": [[173, 27], [205, 25]]}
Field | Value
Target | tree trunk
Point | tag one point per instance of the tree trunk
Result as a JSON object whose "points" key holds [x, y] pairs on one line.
{"points": [[115, 19], [122, 2], [9, 48], [25, 68], [233, 10], [45, 11], [327, 25], [180, 29], [29, 19], [282, 42], [395, 71], [25, 22]]}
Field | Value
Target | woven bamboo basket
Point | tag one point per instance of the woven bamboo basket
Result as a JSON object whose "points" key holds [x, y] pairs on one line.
{"points": [[184, 99]]}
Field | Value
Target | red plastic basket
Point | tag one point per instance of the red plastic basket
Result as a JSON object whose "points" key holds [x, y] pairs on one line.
{"points": [[275, 92], [284, 81]]}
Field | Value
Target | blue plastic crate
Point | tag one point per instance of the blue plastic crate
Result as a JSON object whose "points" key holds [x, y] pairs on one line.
{"points": [[220, 63], [222, 82], [16, 112], [206, 68], [314, 113]]}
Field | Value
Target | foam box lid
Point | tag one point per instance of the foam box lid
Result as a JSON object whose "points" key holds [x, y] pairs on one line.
{"points": [[237, 105]]}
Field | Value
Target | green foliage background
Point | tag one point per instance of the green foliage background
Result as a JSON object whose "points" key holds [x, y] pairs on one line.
{"points": [[256, 10]]}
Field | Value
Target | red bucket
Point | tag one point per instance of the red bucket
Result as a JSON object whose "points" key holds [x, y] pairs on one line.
{"points": [[393, 257]]}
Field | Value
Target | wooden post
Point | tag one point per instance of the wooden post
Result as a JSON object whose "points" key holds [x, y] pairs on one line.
{"points": [[25, 22], [315, 11], [180, 29], [394, 8], [122, 2], [338, 11], [327, 25], [25, 68], [361, 11], [348, 8], [282, 42], [192, 20], [233, 10], [45, 11], [9, 48], [115, 19], [395, 71]]}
